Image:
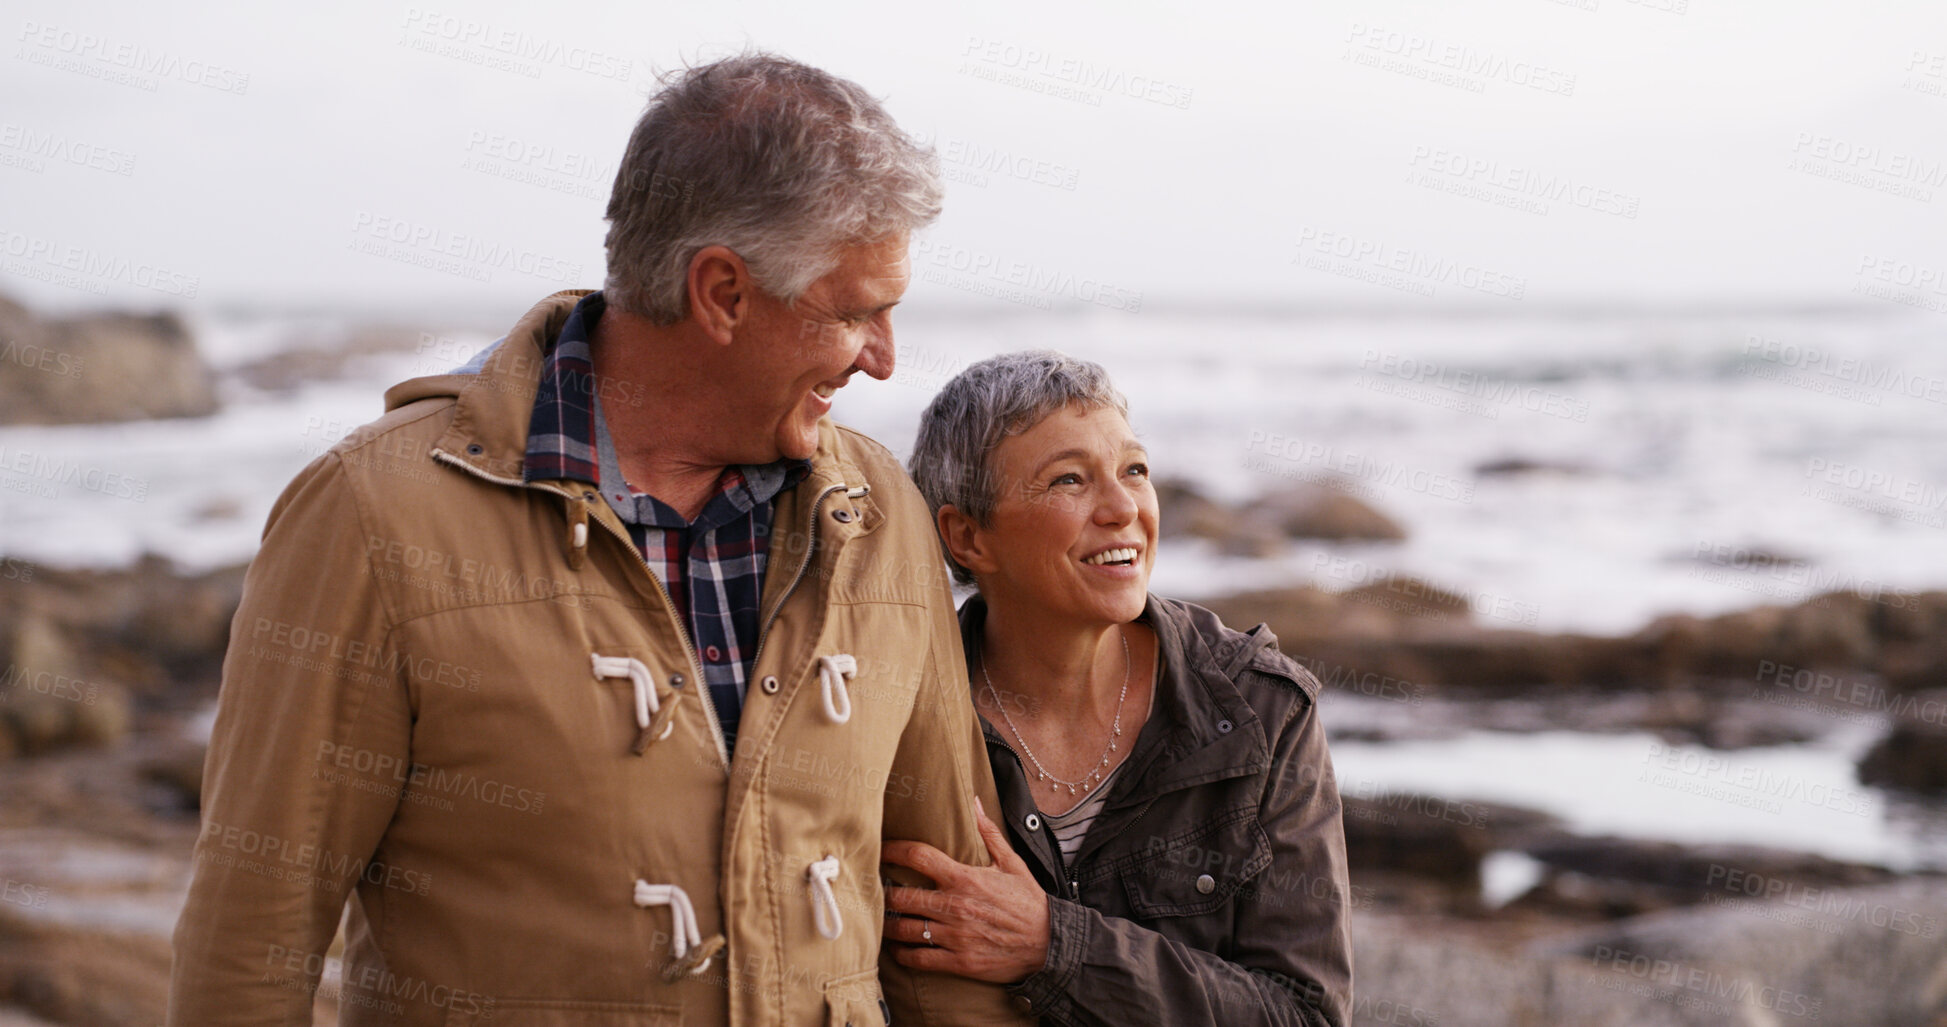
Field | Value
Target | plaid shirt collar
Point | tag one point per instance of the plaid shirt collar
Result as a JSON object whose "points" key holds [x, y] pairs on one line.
{"points": [[567, 438]]}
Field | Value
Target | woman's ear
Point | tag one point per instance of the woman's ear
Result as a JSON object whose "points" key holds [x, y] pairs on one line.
{"points": [[965, 540]]}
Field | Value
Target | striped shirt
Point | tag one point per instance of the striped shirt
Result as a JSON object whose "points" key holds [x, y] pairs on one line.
{"points": [[712, 567], [1071, 827]]}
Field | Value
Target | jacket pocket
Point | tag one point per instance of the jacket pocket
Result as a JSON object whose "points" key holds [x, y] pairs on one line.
{"points": [[538, 1012], [855, 1001], [1198, 870]]}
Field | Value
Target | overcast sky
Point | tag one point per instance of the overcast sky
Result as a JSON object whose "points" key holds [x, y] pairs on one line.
{"points": [[1555, 151]]}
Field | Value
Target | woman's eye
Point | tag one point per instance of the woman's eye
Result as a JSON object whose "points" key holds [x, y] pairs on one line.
{"points": [[1067, 479]]}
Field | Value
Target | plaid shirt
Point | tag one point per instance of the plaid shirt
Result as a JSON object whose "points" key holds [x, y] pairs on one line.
{"points": [[713, 567]]}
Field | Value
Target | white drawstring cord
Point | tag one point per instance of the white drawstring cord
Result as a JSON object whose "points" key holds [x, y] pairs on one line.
{"points": [[646, 703], [824, 905], [682, 916], [832, 672]]}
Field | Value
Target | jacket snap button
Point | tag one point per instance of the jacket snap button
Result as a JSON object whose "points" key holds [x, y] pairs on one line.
{"points": [[475, 449], [1206, 883], [769, 684], [1223, 727], [842, 516], [1023, 1004], [589, 496], [676, 681], [1033, 822]]}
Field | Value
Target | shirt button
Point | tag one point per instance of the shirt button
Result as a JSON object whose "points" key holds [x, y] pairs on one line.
{"points": [[712, 653], [1206, 883]]}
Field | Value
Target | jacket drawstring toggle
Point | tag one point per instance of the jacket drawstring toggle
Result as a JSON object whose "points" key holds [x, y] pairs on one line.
{"points": [[833, 671], [824, 905], [692, 954], [654, 720]]}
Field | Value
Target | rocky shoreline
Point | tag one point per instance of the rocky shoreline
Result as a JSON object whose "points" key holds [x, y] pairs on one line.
{"points": [[109, 671]]}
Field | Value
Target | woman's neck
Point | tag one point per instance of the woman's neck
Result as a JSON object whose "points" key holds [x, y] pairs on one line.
{"points": [[1051, 669]]}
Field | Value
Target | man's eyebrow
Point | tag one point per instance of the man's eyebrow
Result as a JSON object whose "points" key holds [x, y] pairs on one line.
{"points": [[870, 311]]}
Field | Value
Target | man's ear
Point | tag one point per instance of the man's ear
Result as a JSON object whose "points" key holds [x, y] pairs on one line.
{"points": [[965, 540], [721, 292]]}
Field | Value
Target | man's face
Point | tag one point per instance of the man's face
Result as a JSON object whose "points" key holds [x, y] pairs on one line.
{"points": [[795, 357]]}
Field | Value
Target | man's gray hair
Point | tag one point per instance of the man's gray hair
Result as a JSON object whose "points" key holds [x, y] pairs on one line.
{"points": [[781, 162], [984, 404]]}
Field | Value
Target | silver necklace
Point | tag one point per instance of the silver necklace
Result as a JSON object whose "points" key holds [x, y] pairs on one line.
{"points": [[1041, 773]]}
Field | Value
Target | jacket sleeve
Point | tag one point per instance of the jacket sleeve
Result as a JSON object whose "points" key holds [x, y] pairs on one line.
{"points": [[288, 827], [1291, 954], [943, 752]]}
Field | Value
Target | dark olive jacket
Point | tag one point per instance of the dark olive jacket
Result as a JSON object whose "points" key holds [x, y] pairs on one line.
{"points": [[1211, 889]]}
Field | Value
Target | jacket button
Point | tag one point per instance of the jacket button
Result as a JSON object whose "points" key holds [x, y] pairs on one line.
{"points": [[1022, 1004], [1223, 727], [769, 684], [1033, 822], [842, 516], [475, 449], [1206, 883], [676, 681]]}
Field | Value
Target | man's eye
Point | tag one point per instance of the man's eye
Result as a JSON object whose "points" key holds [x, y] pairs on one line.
{"points": [[1139, 469]]}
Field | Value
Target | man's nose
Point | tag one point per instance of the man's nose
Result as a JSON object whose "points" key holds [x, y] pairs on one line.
{"points": [[876, 358]]}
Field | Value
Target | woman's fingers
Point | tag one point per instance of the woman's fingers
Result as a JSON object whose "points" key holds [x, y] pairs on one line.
{"points": [[926, 902], [998, 846], [938, 867]]}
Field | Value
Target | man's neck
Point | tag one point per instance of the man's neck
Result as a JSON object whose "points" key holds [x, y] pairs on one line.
{"points": [[659, 415]]}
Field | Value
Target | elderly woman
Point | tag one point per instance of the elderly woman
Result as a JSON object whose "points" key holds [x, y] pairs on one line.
{"points": [[1172, 852]]}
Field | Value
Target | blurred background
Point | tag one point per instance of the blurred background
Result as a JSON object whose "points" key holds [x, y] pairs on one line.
{"points": [[1562, 380]]}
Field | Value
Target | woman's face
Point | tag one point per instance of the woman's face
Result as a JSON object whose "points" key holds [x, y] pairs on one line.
{"points": [[1073, 532]]}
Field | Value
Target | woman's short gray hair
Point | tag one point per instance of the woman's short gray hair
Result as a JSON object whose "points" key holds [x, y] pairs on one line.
{"points": [[781, 162], [987, 402]]}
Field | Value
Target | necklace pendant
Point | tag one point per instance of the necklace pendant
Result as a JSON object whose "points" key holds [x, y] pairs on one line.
{"points": [[1111, 746], [1054, 787]]}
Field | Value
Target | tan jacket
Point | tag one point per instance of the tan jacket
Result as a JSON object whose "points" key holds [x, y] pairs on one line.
{"points": [[433, 704]]}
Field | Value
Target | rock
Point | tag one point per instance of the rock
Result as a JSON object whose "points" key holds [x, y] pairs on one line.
{"points": [[1432, 837], [1514, 465], [1411, 597], [332, 357], [1184, 512], [99, 367], [1625, 876], [1315, 511], [1870, 955], [1913, 754]]}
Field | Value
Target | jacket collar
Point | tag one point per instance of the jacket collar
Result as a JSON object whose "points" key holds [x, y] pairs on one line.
{"points": [[493, 402], [1200, 727]]}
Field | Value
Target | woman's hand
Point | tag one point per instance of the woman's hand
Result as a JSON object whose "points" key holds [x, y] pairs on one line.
{"points": [[987, 923]]}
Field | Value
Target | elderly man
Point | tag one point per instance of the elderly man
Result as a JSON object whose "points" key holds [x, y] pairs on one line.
{"points": [[593, 674]]}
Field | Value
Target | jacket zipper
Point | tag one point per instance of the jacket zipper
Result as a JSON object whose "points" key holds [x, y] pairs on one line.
{"points": [[689, 648]]}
